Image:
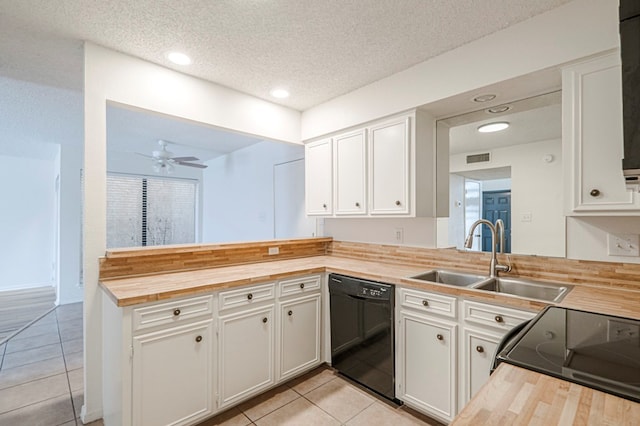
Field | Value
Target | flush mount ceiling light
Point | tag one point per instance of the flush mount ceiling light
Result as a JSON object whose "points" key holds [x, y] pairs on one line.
{"points": [[279, 93], [498, 109], [484, 98], [178, 58], [493, 127]]}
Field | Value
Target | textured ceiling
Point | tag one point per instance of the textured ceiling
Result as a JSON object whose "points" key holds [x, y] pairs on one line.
{"points": [[318, 49]]}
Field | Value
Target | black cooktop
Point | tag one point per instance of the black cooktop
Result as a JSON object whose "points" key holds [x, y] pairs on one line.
{"points": [[594, 350]]}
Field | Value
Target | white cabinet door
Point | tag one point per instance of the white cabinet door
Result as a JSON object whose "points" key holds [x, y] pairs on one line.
{"points": [[350, 173], [319, 177], [593, 138], [299, 337], [172, 375], [428, 364], [246, 348], [479, 349], [389, 152]]}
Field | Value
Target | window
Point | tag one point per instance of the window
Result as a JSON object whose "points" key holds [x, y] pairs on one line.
{"points": [[150, 211]]}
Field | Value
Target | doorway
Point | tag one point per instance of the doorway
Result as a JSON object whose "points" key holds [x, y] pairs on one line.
{"points": [[496, 205]]}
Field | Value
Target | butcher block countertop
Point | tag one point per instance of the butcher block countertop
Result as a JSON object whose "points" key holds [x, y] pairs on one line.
{"points": [[512, 396], [142, 289], [515, 396]]}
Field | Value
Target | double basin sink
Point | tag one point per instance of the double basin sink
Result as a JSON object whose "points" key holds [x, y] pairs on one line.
{"points": [[529, 289]]}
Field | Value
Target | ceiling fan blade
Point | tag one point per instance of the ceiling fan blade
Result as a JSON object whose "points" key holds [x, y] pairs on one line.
{"points": [[199, 166], [185, 158], [144, 155]]}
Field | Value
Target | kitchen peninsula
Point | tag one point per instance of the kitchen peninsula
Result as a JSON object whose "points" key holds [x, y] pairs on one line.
{"points": [[141, 284]]}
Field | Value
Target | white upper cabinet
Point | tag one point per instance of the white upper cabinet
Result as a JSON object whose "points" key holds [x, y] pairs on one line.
{"points": [[319, 177], [350, 173], [384, 169], [389, 163], [593, 138]]}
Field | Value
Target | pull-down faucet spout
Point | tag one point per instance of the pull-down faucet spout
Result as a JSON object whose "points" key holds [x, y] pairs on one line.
{"points": [[494, 267]]}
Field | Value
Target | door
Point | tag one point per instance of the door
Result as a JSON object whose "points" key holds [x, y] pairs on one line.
{"points": [[172, 375], [479, 351], [350, 167], [318, 177], [246, 354], [496, 205], [290, 220], [428, 351], [299, 335], [389, 167]]}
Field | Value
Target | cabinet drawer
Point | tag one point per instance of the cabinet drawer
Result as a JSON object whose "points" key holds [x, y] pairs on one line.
{"points": [[246, 296], [171, 312], [426, 302], [497, 317], [299, 285]]}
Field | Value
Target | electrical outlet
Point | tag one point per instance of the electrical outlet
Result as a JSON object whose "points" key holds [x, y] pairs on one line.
{"points": [[274, 250], [623, 244], [399, 235], [620, 330]]}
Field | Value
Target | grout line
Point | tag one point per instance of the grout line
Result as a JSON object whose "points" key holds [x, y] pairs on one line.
{"points": [[28, 325], [64, 360]]}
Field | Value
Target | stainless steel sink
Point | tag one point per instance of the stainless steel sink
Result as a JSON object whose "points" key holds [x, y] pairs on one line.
{"points": [[458, 279], [525, 288]]}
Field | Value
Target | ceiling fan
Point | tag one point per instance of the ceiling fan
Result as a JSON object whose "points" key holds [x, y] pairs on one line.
{"points": [[163, 159]]}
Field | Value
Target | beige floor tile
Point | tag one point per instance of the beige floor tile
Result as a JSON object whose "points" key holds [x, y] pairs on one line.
{"points": [[33, 342], [33, 392], [232, 417], [340, 399], [95, 423], [297, 413], [78, 400], [74, 360], [72, 346], [70, 314], [53, 411], [37, 330], [72, 423], [29, 356], [70, 333], [312, 380], [270, 401], [380, 414], [76, 379], [26, 373]]}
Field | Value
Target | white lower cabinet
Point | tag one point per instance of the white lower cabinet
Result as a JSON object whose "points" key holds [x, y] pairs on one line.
{"points": [[483, 325], [172, 375], [299, 335], [478, 348], [426, 357], [246, 354]]}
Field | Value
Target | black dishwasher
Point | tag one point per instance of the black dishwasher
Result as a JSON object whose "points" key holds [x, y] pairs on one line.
{"points": [[362, 336]]}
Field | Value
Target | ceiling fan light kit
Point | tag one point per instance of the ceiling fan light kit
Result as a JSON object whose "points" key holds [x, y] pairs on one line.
{"points": [[164, 161]]}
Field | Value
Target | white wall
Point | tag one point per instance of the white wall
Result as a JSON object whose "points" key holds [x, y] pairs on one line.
{"points": [[587, 237], [115, 77], [570, 32], [27, 221], [535, 189], [238, 192]]}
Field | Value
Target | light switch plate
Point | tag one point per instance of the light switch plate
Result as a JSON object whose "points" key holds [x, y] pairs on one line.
{"points": [[623, 244]]}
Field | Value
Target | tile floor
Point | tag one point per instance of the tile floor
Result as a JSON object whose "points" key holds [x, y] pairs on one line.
{"points": [[320, 397], [41, 371], [41, 384]]}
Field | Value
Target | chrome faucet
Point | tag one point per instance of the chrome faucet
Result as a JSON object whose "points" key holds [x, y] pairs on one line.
{"points": [[494, 267]]}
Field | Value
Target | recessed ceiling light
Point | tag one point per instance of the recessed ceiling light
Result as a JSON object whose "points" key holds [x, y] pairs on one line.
{"points": [[499, 109], [178, 58], [484, 98], [493, 127], [280, 93]]}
